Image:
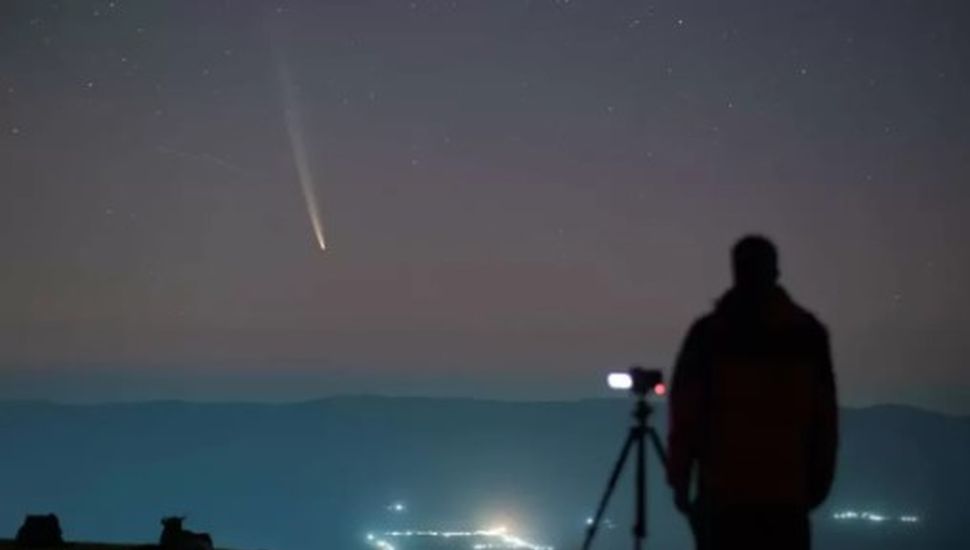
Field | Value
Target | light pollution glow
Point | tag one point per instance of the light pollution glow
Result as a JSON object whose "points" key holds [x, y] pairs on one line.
{"points": [[497, 537], [294, 128]]}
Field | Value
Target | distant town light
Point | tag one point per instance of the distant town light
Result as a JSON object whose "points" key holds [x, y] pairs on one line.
{"points": [[497, 538], [873, 517], [604, 522], [909, 519], [379, 544]]}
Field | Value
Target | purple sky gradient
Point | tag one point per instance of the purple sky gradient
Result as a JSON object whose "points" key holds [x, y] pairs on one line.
{"points": [[518, 196]]}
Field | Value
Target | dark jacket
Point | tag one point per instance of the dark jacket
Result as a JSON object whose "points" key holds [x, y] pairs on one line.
{"points": [[753, 405]]}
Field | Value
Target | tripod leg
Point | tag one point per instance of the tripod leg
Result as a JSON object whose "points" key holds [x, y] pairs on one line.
{"points": [[610, 487], [657, 445], [640, 523]]}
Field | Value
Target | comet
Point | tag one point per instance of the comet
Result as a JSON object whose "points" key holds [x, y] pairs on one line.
{"points": [[294, 129]]}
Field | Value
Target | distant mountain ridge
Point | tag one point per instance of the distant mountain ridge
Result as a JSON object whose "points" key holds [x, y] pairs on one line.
{"points": [[321, 473]]}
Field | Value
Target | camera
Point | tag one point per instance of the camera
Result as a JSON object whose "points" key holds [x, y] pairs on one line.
{"points": [[638, 380]]}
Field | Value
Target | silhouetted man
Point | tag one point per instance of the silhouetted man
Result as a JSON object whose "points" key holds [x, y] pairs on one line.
{"points": [[753, 424]]}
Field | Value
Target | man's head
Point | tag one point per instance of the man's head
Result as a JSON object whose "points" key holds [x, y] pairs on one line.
{"points": [[754, 262]]}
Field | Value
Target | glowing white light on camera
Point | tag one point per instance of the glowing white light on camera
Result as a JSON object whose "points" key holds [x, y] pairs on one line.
{"points": [[619, 380], [397, 507]]}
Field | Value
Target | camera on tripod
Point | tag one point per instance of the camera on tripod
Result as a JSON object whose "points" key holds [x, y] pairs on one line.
{"points": [[640, 381]]}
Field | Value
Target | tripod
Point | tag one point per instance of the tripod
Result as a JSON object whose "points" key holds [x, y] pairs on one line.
{"points": [[638, 434]]}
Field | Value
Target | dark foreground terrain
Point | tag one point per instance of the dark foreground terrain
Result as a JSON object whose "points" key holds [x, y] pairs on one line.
{"points": [[8, 544], [323, 474]]}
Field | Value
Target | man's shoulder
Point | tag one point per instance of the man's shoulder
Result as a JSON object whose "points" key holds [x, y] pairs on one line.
{"points": [[704, 323], [705, 328], [806, 320]]}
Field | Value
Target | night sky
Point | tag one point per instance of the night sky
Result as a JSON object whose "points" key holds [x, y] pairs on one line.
{"points": [[516, 196]]}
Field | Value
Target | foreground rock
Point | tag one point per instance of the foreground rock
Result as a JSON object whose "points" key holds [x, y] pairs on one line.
{"points": [[40, 531]]}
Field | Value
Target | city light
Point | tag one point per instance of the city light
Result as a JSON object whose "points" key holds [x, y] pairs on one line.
{"points": [[873, 517], [378, 543], [606, 523], [495, 538]]}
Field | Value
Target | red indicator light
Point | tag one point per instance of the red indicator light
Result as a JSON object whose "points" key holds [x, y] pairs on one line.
{"points": [[660, 389]]}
